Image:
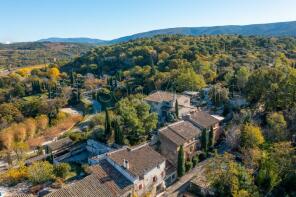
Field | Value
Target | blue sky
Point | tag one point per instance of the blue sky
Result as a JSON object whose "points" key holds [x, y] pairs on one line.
{"points": [[29, 20]]}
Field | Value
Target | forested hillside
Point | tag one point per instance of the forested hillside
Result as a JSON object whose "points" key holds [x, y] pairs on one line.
{"points": [[32, 53], [179, 59]]}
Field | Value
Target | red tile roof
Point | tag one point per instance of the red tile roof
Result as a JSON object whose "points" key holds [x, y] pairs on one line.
{"points": [[141, 159], [203, 119], [180, 132], [160, 96]]}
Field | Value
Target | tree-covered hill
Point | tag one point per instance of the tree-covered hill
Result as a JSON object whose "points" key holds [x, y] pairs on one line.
{"points": [[32, 53], [168, 52], [269, 29], [73, 40]]}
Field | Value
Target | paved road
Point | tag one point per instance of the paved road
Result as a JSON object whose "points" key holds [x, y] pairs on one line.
{"points": [[181, 185]]}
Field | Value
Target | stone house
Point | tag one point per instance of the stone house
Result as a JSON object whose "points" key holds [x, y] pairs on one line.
{"points": [[204, 121], [141, 165], [163, 103], [179, 133], [171, 138], [186, 132]]}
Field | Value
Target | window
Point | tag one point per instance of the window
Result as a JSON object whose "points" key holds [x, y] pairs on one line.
{"points": [[174, 176], [140, 186], [154, 179]]}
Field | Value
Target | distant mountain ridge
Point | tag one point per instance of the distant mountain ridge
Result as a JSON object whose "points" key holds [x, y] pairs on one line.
{"points": [[268, 29], [73, 40]]}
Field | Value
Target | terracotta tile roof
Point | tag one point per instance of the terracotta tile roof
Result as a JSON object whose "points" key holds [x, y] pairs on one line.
{"points": [[64, 142], [104, 180], [160, 96], [111, 177], [89, 186], [141, 159], [203, 119], [180, 132]]}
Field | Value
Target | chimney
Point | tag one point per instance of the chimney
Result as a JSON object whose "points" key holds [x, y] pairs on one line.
{"points": [[125, 164]]}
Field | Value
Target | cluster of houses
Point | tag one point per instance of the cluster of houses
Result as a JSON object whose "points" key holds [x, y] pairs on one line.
{"points": [[141, 170]]}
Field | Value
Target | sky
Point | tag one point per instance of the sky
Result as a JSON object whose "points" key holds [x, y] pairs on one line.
{"points": [[30, 20]]}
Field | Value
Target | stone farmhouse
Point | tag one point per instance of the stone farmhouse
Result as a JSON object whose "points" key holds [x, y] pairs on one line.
{"points": [[163, 103], [141, 165], [186, 132]]}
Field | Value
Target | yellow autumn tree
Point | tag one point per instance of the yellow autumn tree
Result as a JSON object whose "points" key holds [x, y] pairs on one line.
{"points": [[54, 73], [31, 127], [251, 136], [14, 175], [6, 139], [42, 122]]}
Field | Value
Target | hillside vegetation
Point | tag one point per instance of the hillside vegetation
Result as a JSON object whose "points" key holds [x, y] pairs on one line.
{"points": [[33, 53], [172, 61]]}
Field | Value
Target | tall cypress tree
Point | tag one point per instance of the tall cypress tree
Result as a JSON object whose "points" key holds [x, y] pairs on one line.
{"points": [[181, 162], [211, 137], [153, 69], [108, 131], [204, 141], [177, 109], [118, 133]]}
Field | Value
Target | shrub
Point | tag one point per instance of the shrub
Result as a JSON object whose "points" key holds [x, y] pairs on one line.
{"points": [[40, 172], [14, 176], [62, 170], [195, 160], [188, 165], [202, 156]]}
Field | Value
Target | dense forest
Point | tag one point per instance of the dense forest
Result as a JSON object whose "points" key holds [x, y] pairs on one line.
{"points": [[172, 60], [32, 53]]}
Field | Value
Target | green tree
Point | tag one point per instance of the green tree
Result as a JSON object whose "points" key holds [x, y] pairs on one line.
{"points": [[181, 162], [62, 170], [268, 175], [229, 178], [118, 135], [204, 141], [9, 113], [251, 136], [188, 165], [273, 87], [241, 76], [211, 137], [277, 126], [177, 108], [108, 130], [195, 160], [188, 80], [135, 118], [40, 172]]}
